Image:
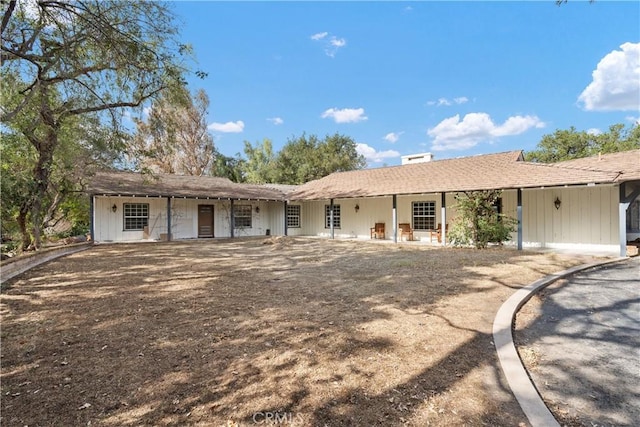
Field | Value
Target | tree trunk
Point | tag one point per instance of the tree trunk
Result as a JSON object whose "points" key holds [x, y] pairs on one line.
{"points": [[22, 224], [42, 173], [46, 147]]}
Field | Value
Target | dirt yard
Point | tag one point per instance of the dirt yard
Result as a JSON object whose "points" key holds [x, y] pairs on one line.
{"points": [[286, 331]]}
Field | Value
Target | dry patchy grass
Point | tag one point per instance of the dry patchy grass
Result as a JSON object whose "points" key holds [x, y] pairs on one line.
{"points": [[226, 332]]}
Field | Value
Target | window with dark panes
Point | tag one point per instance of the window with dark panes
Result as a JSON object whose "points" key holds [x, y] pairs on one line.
{"points": [[336, 216], [136, 216], [242, 216], [293, 216], [424, 215]]}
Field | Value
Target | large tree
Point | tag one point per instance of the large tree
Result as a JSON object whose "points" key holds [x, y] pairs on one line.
{"points": [[68, 59], [572, 144], [307, 157], [174, 137], [259, 166], [82, 148]]}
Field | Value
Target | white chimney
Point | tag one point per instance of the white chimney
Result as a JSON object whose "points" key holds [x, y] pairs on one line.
{"points": [[417, 158]]}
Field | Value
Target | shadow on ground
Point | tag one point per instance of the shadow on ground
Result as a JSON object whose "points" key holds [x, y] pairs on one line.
{"points": [[231, 332]]}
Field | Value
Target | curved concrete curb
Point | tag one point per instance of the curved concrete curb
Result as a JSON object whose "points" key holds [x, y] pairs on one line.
{"points": [[13, 267], [521, 385]]}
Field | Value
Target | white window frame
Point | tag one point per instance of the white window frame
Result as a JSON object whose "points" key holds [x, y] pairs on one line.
{"points": [[242, 216], [423, 215], [135, 216], [336, 216], [293, 216]]}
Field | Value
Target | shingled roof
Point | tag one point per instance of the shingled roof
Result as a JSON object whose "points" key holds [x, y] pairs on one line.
{"points": [[483, 172], [166, 185], [627, 163], [506, 170]]}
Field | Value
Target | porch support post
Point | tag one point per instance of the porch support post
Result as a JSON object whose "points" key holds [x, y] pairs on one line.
{"points": [[443, 215], [331, 227], [394, 215], [622, 219], [232, 220], [92, 218], [168, 219], [286, 228], [519, 214]]}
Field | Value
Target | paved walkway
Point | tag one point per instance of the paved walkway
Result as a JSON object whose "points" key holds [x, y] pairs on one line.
{"points": [[588, 340]]}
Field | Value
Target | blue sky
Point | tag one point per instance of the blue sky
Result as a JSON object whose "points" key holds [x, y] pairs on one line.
{"points": [[451, 78]]}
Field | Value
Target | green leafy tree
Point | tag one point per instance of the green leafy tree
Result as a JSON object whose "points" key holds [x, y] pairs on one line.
{"points": [[572, 144], [259, 166], [298, 161], [16, 159], [478, 222], [82, 148], [305, 158], [74, 59], [229, 167]]}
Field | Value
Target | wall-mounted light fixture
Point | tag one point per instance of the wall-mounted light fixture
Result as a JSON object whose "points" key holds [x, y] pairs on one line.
{"points": [[257, 209], [557, 203], [357, 208], [114, 208]]}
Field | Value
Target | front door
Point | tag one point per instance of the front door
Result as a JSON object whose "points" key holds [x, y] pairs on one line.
{"points": [[205, 220]]}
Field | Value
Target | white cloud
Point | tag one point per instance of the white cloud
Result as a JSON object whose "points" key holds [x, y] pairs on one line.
{"points": [[634, 120], [374, 156], [454, 134], [319, 36], [393, 137], [444, 102], [331, 44], [229, 127], [335, 42], [346, 115], [616, 82], [594, 131], [276, 120]]}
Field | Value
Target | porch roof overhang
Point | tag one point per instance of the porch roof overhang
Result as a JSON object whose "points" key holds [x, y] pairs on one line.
{"points": [[128, 184], [502, 171]]}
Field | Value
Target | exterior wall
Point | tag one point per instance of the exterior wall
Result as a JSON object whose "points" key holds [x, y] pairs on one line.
{"points": [[372, 210], [108, 226], [352, 224], [299, 231], [587, 219], [405, 211]]}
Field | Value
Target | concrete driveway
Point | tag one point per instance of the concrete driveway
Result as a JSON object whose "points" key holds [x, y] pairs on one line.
{"points": [[587, 338]]}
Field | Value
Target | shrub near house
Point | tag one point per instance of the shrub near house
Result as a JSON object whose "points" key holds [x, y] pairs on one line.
{"points": [[480, 220]]}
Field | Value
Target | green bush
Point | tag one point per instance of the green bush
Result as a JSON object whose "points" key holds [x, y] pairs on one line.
{"points": [[479, 222]]}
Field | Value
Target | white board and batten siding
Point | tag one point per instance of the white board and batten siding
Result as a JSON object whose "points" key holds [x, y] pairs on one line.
{"points": [[352, 224], [109, 225], [371, 210], [586, 220]]}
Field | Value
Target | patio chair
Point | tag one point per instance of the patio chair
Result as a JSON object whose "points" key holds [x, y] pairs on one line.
{"points": [[377, 231], [438, 232], [406, 230]]}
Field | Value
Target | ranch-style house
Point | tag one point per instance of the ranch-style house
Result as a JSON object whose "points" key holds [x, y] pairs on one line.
{"points": [[588, 205]]}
